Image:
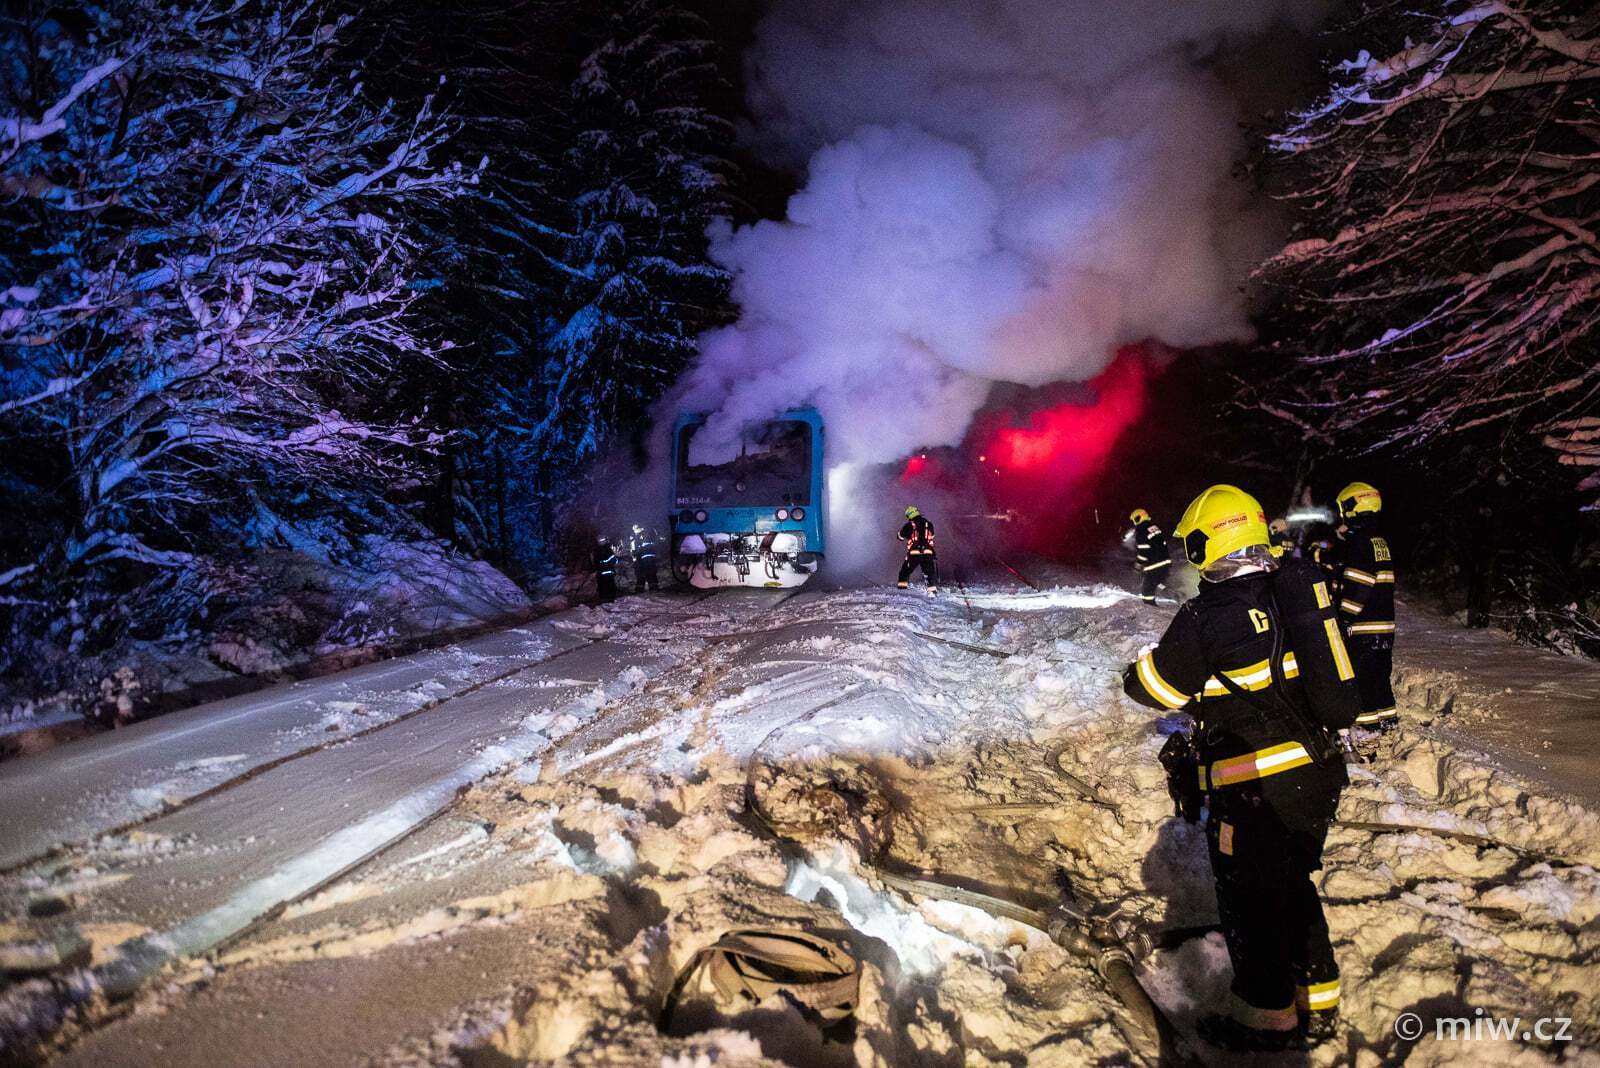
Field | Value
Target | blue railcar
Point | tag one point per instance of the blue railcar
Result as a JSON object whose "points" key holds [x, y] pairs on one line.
{"points": [[750, 512]]}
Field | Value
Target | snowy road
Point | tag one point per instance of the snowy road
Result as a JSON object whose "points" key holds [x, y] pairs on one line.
{"points": [[1535, 711], [550, 847], [262, 806], [111, 780]]}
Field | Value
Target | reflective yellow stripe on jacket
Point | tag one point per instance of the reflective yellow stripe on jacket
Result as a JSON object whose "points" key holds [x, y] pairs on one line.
{"points": [[1257, 765], [1257, 676], [1372, 628], [1341, 655], [1158, 687]]}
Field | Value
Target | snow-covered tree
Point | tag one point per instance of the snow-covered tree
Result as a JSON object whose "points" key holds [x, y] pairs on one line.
{"points": [[491, 250], [208, 273], [576, 276], [1444, 286], [645, 173]]}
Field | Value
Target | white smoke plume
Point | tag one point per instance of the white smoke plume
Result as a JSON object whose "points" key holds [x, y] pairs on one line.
{"points": [[996, 191]]}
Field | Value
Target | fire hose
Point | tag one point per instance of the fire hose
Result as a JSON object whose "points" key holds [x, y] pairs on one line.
{"points": [[1106, 941], [1004, 654], [1024, 578]]}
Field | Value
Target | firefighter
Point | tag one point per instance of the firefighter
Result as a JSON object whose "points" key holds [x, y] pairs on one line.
{"points": [[1325, 553], [917, 533], [1151, 558], [1283, 542], [605, 569], [645, 550], [1366, 602], [1268, 770]]}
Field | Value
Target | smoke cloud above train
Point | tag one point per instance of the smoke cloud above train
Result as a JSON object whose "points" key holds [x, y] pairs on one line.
{"points": [[993, 192]]}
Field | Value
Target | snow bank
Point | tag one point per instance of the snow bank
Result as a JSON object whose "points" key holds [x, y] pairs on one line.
{"points": [[589, 877]]}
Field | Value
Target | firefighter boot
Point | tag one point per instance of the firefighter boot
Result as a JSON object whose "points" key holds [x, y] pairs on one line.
{"points": [[1319, 1027], [1227, 1033]]}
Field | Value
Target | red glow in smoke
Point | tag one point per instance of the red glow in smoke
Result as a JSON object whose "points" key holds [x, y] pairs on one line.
{"points": [[1050, 472], [915, 466], [1072, 441], [1034, 481]]}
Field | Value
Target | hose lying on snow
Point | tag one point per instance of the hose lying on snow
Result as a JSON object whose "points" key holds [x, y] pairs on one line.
{"points": [[852, 796], [1110, 951], [1085, 790]]}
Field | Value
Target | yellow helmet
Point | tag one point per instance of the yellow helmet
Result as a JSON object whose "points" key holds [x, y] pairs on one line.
{"points": [[912, 511], [1138, 515], [1358, 497], [1222, 520]]}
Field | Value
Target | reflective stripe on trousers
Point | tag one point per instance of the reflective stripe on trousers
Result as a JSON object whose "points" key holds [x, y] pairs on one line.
{"points": [[1257, 765]]}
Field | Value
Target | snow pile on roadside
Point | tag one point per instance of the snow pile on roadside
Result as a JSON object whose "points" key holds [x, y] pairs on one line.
{"points": [[305, 608]]}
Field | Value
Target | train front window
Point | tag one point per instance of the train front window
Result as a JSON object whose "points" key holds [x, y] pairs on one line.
{"points": [[769, 466]]}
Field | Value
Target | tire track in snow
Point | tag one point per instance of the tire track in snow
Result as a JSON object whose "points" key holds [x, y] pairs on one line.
{"points": [[263, 900], [167, 808]]}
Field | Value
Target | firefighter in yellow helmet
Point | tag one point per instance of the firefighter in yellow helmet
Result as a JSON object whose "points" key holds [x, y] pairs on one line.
{"points": [[1366, 602], [1264, 761], [1151, 557], [917, 533]]}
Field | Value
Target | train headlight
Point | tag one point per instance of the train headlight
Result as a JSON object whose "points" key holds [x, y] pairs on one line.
{"points": [[798, 513], [701, 516], [783, 513]]}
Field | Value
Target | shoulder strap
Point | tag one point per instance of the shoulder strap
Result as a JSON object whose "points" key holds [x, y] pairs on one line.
{"points": [[1316, 733]]}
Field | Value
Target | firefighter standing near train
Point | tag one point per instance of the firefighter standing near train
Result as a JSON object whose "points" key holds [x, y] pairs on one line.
{"points": [[1258, 660], [917, 533], [1151, 557]]}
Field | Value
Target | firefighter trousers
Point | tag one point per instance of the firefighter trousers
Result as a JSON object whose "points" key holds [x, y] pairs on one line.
{"points": [[1372, 656], [1153, 581], [644, 575], [930, 570], [606, 584], [1271, 917]]}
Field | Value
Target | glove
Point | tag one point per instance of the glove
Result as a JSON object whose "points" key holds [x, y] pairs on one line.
{"points": [[1182, 765]]}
